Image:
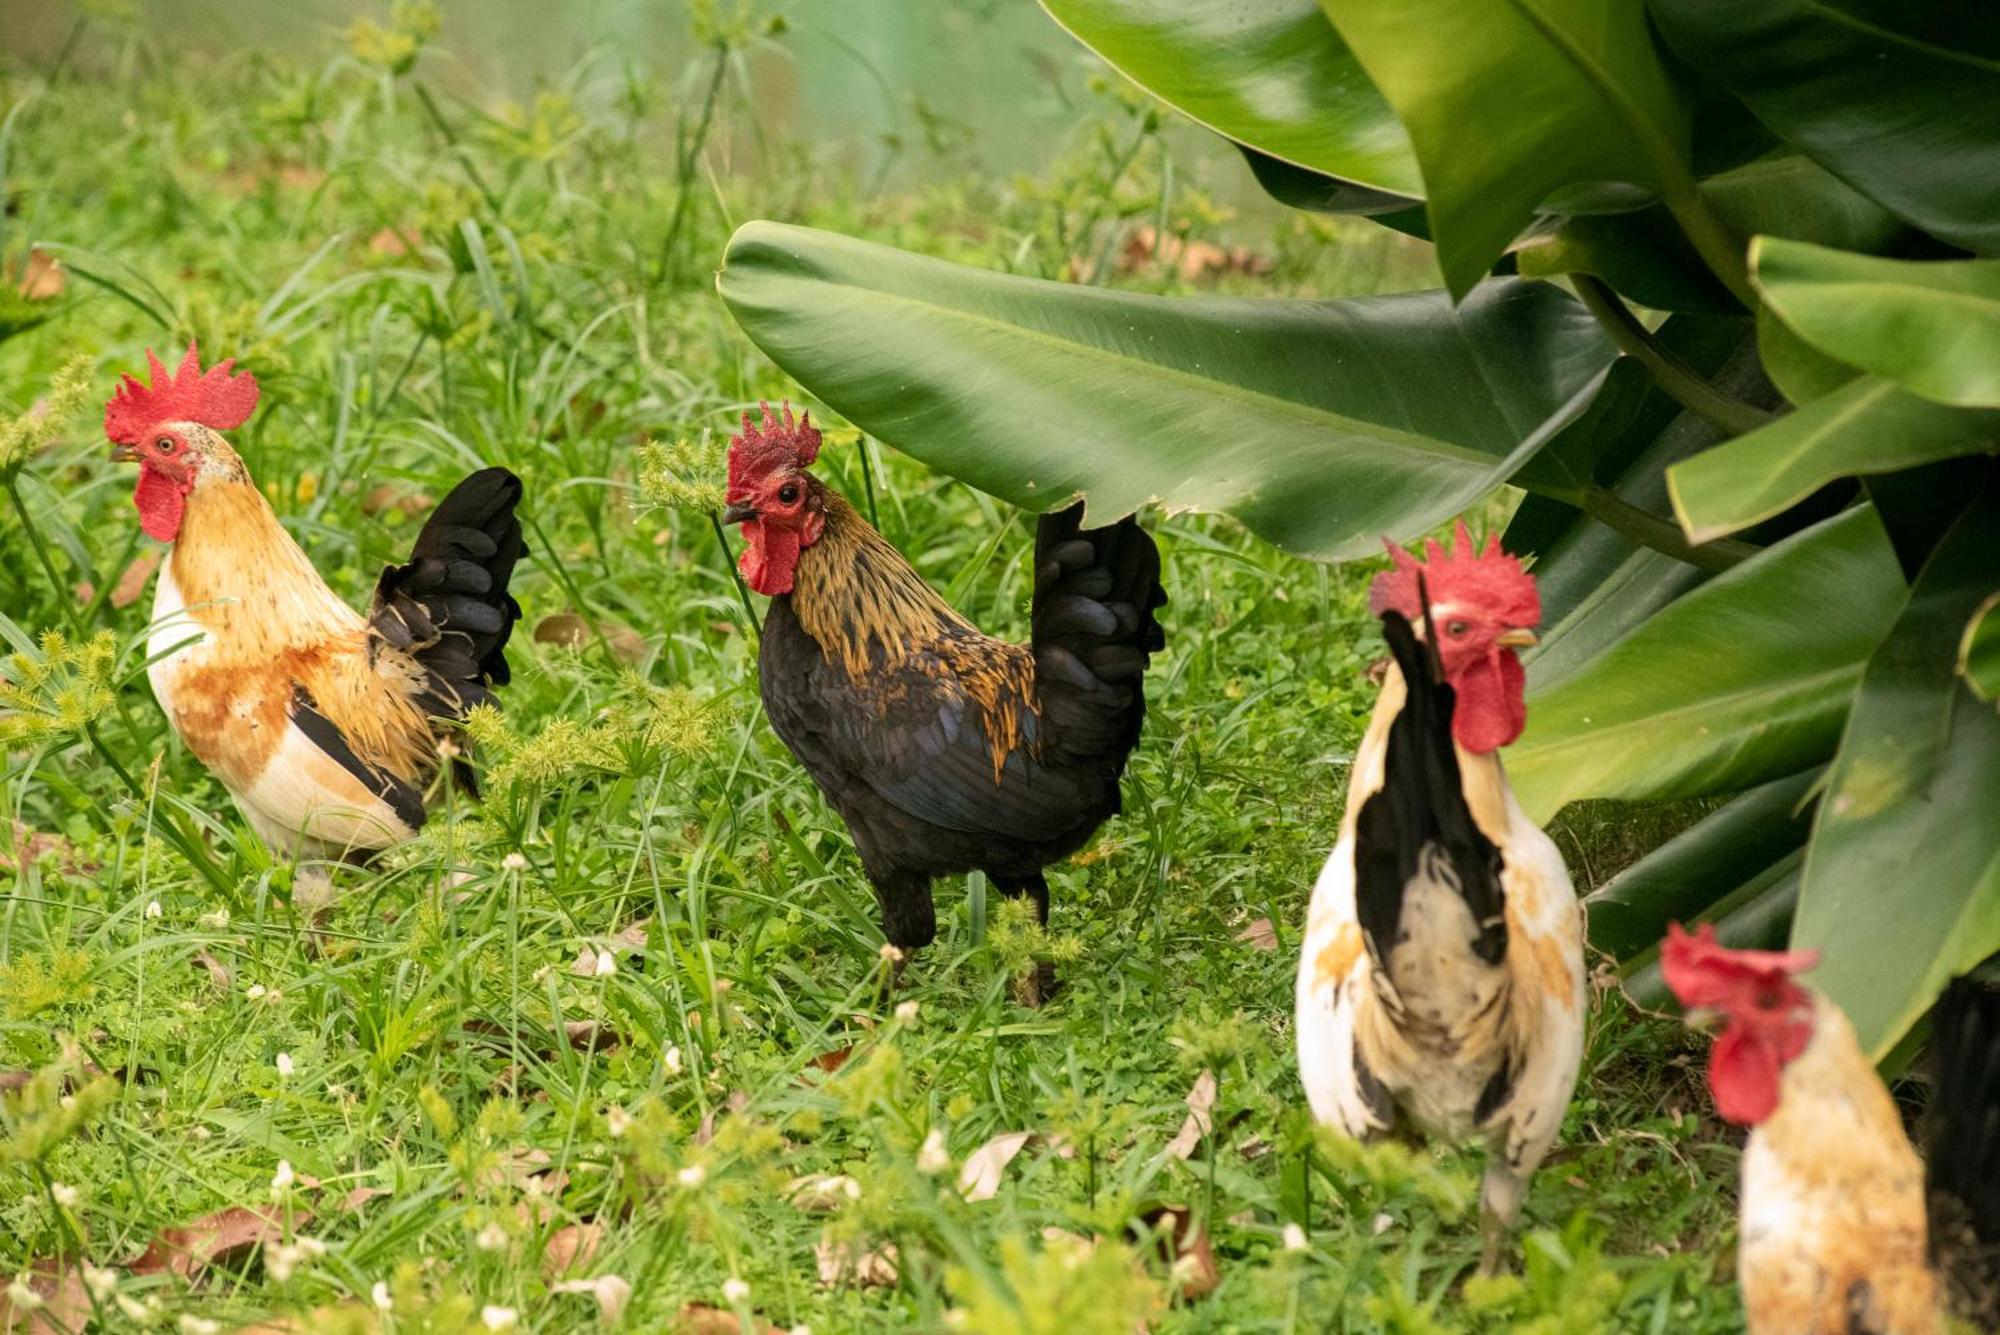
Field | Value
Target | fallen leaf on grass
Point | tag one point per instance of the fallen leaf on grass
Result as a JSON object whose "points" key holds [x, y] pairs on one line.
{"points": [[1260, 935], [388, 496], [611, 1291], [979, 1179], [1201, 1106], [132, 583], [1186, 1248], [701, 1319], [846, 1263], [218, 972], [42, 276], [572, 632], [64, 1301], [31, 846], [571, 1246], [394, 241], [359, 1197], [225, 1238], [830, 1062]]}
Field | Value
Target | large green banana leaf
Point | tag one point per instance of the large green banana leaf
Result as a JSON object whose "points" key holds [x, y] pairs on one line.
{"points": [[1509, 104], [1271, 74], [1902, 878], [1322, 425], [1740, 681]]}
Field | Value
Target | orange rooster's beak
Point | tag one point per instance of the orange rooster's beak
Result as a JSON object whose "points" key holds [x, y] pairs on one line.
{"points": [[738, 513], [1518, 638], [124, 454]]}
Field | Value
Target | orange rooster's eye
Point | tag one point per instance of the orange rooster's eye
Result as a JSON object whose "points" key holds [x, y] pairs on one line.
{"points": [[788, 493]]}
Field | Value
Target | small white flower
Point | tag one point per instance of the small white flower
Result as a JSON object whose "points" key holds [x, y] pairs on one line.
{"points": [[801, 1329], [379, 1295], [137, 1312], [284, 1065], [280, 1261], [101, 1283], [906, 1011], [671, 1059], [492, 1238], [153, 909], [1295, 1238], [498, 1318], [190, 1324], [617, 1121], [282, 1179], [890, 954], [735, 1290], [216, 920], [606, 966], [65, 1195], [933, 1158], [22, 1298], [514, 862], [254, 991], [311, 1248], [693, 1176]]}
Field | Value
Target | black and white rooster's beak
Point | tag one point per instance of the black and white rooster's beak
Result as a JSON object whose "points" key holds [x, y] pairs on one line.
{"points": [[1518, 638], [737, 512]]}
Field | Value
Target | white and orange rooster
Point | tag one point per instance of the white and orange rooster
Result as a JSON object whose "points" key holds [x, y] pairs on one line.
{"points": [[323, 724], [1838, 1233], [1442, 983]]}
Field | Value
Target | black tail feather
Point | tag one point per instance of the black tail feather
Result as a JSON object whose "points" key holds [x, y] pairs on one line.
{"points": [[1963, 1150], [1094, 629], [448, 607]]}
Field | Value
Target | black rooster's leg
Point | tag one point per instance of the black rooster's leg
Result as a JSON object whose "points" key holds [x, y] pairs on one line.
{"points": [[908, 918], [1040, 985]]}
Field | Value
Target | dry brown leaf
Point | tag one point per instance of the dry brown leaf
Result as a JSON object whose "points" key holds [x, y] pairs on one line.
{"points": [[1187, 1250], [359, 1197], [830, 1062], [701, 1319], [572, 632], [388, 496], [30, 846], [979, 1178], [513, 1168], [218, 972], [132, 583], [224, 1239], [1201, 1106], [42, 276], [846, 1263], [633, 934], [395, 241], [65, 1301], [1260, 935], [571, 1246]]}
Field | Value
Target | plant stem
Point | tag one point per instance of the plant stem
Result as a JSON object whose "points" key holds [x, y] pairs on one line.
{"points": [[1672, 374], [34, 533], [457, 150], [184, 844], [690, 150], [1649, 530], [742, 589], [1711, 238], [868, 484]]}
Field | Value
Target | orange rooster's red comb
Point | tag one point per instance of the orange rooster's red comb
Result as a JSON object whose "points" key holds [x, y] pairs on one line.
{"points": [[1484, 578], [214, 398], [1702, 971], [781, 442]]}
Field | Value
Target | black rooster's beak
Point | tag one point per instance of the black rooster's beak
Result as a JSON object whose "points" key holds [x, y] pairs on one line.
{"points": [[737, 513]]}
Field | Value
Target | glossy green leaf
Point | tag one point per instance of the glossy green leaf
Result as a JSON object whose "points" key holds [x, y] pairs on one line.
{"points": [[1510, 102], [1738, 682], [1756, 915], [1902, 878], [1271, 74], [1645, 255], [1909, 116], [1801, 372], [1320, 424], [1979, 650], [1696, 869], [1866, 426], [1932, 326]]}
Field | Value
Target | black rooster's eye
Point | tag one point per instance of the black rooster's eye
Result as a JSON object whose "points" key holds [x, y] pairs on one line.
{"points": [[165, 444], [1456, 628], [788, 493]]}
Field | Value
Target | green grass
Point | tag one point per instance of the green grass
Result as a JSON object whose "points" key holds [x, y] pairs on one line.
{"points": [[443, 1049]]}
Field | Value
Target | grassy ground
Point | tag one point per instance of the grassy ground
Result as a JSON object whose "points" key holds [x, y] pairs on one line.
{"points": [[604, 1024]]}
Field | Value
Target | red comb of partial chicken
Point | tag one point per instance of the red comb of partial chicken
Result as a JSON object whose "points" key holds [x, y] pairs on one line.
{"points": [[1487, 578], [214, 398]]}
